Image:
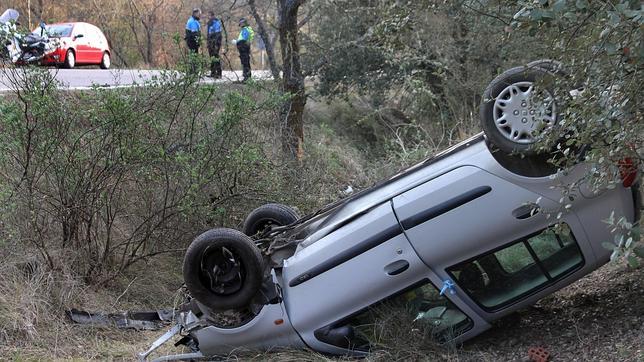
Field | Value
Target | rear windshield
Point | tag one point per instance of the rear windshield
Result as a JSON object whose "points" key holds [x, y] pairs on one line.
{"points": [[58, 31]]}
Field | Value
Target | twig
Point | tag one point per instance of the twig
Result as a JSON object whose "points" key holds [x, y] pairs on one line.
{"points": [[124, 292]]}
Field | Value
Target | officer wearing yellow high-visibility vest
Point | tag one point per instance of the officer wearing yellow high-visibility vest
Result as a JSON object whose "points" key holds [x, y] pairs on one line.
{"points": [[246, 36]]}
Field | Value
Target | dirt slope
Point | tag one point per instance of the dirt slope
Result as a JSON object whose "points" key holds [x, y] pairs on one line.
{"points": [[598, 318]]}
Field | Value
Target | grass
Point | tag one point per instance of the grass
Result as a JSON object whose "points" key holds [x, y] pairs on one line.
{"points": [[33, 325]]}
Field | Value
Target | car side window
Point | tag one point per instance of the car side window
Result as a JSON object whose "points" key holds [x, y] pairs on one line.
{"points": [[500, 277], [514, 258], [420, 310]]}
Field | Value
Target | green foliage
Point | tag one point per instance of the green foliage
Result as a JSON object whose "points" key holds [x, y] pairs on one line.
{"points": [[417, 69], [97, 181], [117, 176], [627, 243], [600, 45]]}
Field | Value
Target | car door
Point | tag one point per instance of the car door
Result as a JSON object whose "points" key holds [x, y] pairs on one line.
{"points": [[466, 224], [330, 286], [81, 44], [95, 45]]}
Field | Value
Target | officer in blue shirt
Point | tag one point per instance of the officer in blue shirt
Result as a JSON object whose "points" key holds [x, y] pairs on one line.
{"points": [[193, 31], [214, 44]]}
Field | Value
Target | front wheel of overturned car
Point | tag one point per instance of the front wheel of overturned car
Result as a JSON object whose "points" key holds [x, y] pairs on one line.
{"points": [[518, 108], [223, 269], [267, 216]]}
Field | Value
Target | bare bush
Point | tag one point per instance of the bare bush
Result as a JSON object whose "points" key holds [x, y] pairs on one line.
{"points": [[112, 177]]}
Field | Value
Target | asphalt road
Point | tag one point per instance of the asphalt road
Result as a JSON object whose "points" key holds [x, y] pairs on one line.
{"points": [[79, 79]]}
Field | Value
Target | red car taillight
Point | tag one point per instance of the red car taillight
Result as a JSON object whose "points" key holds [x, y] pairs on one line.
{"points": [[627, 171]]}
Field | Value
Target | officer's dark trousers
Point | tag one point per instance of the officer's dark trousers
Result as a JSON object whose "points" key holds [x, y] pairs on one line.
{"points": [[193, 43], [244, 57], [214, 45]]}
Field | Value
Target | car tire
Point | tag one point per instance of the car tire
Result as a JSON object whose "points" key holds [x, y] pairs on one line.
{"points": [[70, 59], [106, 61], [507, 117], [549, 65], [269, 215], [223, 269]]}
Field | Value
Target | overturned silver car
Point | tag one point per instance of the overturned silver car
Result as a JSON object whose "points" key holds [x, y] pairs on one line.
{"points": [[456, 242]]}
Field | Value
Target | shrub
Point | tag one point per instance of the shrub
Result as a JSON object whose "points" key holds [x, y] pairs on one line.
{"points": [[116, 176], [600, 45]]}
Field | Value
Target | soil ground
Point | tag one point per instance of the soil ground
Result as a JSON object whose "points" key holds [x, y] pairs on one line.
{"points": [[598, 318]]}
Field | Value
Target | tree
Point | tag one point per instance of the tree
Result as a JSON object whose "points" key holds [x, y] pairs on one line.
{"points": [[146, 14], [293, 79], [266, 39]]}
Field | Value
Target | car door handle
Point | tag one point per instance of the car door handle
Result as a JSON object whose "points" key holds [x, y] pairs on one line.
{"points": [[397, 267], [525, 211]]}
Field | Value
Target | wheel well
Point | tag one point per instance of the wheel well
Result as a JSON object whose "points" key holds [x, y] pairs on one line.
{"points": [[64, 58]]}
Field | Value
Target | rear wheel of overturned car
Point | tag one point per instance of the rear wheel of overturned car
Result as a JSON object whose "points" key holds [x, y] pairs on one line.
{"points": [[223, 269], [518, 108], [267, 216]]}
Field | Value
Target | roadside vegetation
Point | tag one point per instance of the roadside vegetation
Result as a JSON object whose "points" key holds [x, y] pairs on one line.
{"points": [[101, 191]]}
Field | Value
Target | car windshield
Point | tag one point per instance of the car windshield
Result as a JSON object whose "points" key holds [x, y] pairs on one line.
{"points": [[57, 30]]}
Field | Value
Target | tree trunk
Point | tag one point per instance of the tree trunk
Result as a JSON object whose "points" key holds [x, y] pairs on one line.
{"points": [[261, 29], [461, 37], [149, 46], [293, 79]]}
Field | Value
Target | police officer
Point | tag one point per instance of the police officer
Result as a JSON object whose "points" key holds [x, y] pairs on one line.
{"points": [[246, 36], [214, 45], [193, 31]]}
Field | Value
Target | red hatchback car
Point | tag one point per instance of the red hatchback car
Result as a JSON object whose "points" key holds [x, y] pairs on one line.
{"points": [[79, 44]]}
